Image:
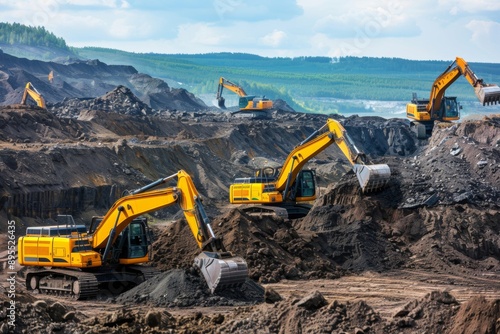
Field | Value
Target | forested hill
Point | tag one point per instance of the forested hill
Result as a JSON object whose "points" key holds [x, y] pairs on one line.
{"points": [[298, 79], [32, 42], [15, 33]]}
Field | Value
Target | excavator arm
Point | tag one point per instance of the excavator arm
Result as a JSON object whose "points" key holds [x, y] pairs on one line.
{"points": [[217, 265], [281, 190], [224, 83], [31, 91], [486, 93], [370, 177]]}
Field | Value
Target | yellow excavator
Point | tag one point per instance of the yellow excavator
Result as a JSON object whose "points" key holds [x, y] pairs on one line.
{"points": [[287, 191], [247, 103], [423, 113], [68, 260], [31, 91]]}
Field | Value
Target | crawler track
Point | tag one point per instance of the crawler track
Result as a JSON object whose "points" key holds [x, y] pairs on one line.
{"points": [[71, 283], [85, 285]]}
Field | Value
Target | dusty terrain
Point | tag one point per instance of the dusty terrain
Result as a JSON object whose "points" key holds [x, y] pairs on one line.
{"points": [[420, 256]]}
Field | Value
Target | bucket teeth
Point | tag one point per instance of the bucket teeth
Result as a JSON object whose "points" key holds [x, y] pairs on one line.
{"points": [[372, 177], [221, 270], [488, 95]]}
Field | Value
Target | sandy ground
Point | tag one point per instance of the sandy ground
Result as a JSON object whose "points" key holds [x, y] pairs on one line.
{"points": [[385, 292]]}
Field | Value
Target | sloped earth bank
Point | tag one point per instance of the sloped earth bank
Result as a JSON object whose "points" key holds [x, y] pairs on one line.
{"points": [[421, 256]]}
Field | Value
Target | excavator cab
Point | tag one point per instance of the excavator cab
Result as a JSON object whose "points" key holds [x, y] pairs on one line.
{"points": [[304, 188], [450, 109], [135, 240], [132, 244]]}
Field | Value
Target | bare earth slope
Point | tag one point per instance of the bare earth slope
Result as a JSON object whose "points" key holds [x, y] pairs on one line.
{"points": [[87, 79], [421, 256]]}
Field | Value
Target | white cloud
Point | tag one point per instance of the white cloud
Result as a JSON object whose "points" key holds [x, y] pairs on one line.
{"points": [[370, 21], [417, 30], [98, 3], [274, 39], [255, 10], [484, 31], [200, 34], [456, 7], [126, 28]]}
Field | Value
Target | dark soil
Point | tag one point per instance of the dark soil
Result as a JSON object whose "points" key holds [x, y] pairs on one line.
{"points": [[435, 225]]}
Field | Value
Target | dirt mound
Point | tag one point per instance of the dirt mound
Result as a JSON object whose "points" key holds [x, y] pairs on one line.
{"points": [[271, 246], [280, 105], [477, 315], [36, 126], [158, 95], [432, 314], [309, 314], [120, 100], [89, 79], [439, 211], [185, 288], [459, 165]]}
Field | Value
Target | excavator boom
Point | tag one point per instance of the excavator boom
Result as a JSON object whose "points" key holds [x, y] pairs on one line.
{"points": [[31, 91], [370, 177]]}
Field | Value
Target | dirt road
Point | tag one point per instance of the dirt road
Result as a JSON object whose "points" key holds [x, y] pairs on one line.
{"points": [[386, 293]]}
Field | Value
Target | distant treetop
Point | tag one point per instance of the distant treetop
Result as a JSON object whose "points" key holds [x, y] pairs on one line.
{"points": [[16, 33]]}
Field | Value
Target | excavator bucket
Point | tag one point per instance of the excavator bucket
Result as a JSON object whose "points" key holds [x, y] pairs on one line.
{"points": [[221, 102], [221, 270], [488, 94], [372, 177]]}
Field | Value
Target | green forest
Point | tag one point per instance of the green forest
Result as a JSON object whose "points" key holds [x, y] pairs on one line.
{"points": [[15, 33], [303, 82], [299, 81]]}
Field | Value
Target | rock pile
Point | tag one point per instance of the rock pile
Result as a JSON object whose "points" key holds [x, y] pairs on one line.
{"points": [[185, 288], [120, 100], [80, 81]]}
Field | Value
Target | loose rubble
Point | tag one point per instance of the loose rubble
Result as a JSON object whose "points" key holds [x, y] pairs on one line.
{"points": [[439, 213]]}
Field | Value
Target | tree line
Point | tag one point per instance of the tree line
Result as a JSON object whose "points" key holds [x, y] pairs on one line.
{"points": [[15, 33]]}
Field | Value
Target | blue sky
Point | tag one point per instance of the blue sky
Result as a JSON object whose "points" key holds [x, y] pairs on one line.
{"points": [[424, 29]]}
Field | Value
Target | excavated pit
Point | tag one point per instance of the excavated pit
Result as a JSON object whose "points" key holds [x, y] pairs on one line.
{"points": [[439, 215]]}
